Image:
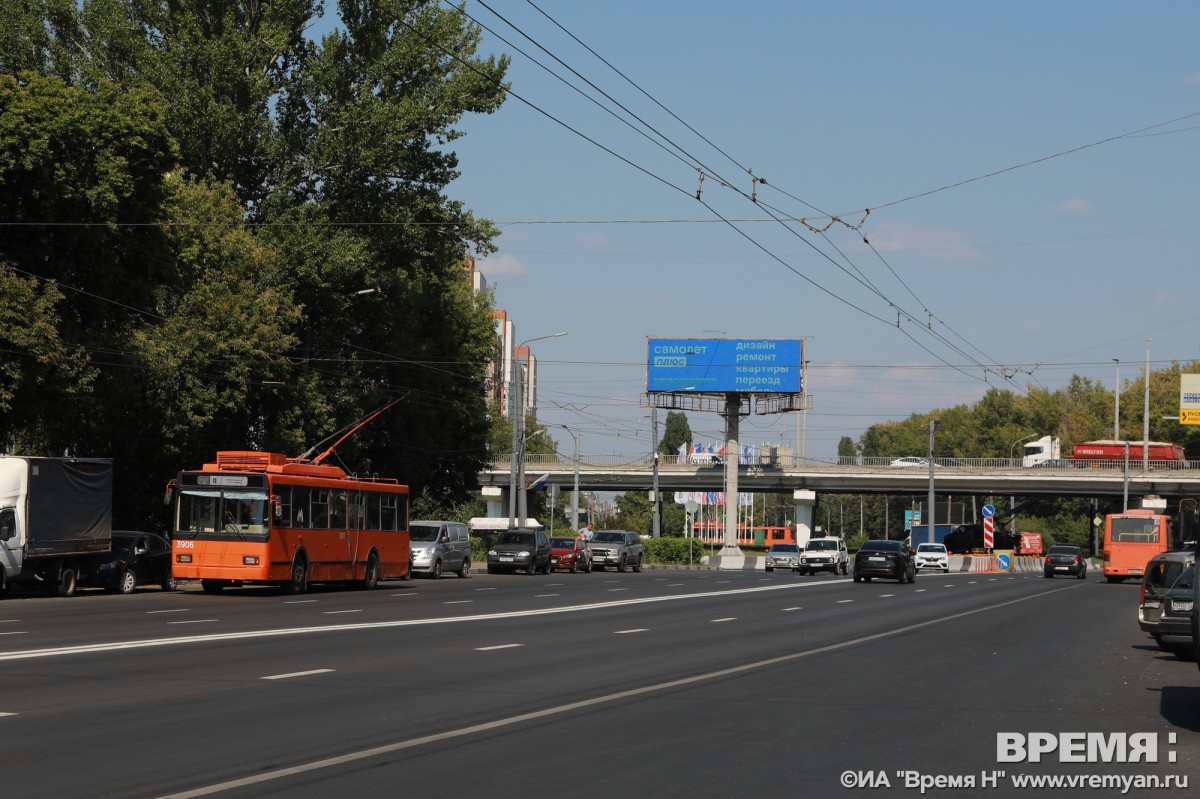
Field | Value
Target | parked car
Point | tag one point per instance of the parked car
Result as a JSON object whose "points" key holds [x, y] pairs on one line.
{"points": [[882, 558], [439, 546], [825, 554], [137, 559], [1064, 559], [570, 553], [1175, 623], [783, 556], [520, 550], [932, 556], [620, 548], [1163, 572]]}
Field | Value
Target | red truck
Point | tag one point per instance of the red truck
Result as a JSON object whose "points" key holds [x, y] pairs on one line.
{"points": [[1047, 451]]}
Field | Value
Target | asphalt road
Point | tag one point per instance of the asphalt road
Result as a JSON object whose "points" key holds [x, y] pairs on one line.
{"points": [[664, 683]]}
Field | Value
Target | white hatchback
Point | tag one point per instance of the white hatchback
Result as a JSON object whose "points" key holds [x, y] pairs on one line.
{"points": [[932, 556]]}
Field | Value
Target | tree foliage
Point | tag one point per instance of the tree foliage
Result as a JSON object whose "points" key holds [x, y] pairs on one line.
{"points": [[150, 323]]}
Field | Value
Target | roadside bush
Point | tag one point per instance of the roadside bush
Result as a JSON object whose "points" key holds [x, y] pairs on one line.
{"points": [[672, 550]]}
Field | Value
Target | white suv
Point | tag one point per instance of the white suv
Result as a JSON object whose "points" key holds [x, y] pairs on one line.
{"points": [[825, 554], [932, 556]]}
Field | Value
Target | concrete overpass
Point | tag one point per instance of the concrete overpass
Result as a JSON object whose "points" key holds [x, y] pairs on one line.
{"points": [[957, 476]]}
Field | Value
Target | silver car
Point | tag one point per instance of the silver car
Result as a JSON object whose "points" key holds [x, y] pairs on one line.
{"points": [[783, 556]]}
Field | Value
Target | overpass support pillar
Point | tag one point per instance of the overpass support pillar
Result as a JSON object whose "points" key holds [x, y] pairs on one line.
{"points": [[495, 499], [805, 502]]}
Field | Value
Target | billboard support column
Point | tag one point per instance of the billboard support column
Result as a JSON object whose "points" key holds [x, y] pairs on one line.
{"points": [[733, 410]]}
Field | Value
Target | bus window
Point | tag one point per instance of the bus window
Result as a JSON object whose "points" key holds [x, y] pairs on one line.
{"points": [[358, 510], [283, 496], [337, 509], [245, 512], [371, 500], [319, 502], [197, 511], [300, 512], [387, 520]]}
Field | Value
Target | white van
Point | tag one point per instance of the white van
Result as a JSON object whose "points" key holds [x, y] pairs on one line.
{"points": [[440, 546]]}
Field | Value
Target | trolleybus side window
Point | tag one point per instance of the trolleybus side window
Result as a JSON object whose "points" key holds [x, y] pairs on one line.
{"points": [[371, 500], [388, 512], [300, 512], [319, 503], [358, 510], [283, 496], [337, 508]]}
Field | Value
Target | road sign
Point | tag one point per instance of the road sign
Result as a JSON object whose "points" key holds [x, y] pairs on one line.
{"points": [[1189, 416], [1004, 562], [911, 517], [989, 529], [988, 511]]}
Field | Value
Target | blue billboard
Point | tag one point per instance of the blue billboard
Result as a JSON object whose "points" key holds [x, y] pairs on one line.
{"points": [[760, 366]]}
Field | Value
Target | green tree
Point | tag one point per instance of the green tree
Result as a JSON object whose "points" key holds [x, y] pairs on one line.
{"points": [[676, 433], [847, 451]]}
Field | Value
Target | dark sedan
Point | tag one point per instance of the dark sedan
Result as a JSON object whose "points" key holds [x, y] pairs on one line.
{"points": [[1065, 559], [891, 559], [137, 559]]}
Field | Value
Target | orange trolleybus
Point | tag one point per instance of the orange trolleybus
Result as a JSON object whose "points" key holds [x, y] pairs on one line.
{"points": [[261, 517], [1131, 539]]}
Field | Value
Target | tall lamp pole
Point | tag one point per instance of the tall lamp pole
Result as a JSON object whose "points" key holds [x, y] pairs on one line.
{"points": [[1117, 403], [516, 485], [575, 487], [1012, 498]]}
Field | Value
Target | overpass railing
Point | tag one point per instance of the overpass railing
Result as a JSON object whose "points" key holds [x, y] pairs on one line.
{"points": [[789, 462]]}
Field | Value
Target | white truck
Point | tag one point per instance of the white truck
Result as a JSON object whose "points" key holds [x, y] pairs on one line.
{"points": [[55, 521]]}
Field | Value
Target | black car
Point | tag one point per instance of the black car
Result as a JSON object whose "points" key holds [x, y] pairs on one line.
{"points": [[137, 559], [891, 559], [1065, 559], [1175, 624], [520, 550]]}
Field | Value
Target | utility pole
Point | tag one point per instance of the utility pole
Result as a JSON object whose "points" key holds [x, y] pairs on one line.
{"points": [[929, 523], [1146, 415], [656, 511]]}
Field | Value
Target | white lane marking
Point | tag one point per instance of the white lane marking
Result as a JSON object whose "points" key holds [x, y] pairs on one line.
{"points": [[794, 608], [674, 585], [9, 621], [246, 635], [499, 646], [543, 596], [414, 593], [486, 589], [948, 585], [412, 743], [844, 601], [727, 618], [617, 589], [296, 674], [921, 590], [194, 621], [972, 582], [635, 630], [336, 612], [722, 582], [176, 610], [299, 601], [16, 632], [8, 714], [885, 596], [458, 602]]}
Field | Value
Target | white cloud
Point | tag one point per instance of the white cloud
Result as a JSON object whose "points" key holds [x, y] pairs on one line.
{"points": [[501, 265], [1076, 205], [937, 242]]}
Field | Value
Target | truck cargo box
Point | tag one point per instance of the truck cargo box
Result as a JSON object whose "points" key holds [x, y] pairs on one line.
{"points": [[69, 502]]}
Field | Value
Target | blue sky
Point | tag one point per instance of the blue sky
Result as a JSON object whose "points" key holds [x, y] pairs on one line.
{"points": [[1029, 276]]}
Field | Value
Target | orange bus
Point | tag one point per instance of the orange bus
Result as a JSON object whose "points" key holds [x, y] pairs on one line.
{"points": [[748, 535], [1131, 539], [261, 517]]}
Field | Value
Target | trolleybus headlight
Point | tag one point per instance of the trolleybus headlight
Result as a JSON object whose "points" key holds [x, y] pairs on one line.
{"points": [[184, 558], [250, 560]]}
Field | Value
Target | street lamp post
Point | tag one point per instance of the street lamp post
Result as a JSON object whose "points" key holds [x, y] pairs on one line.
{"points": [[516, 483], [575, 487], [1012, 498]]}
